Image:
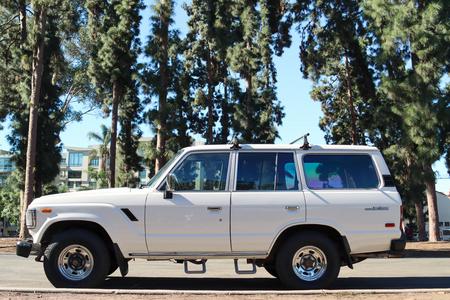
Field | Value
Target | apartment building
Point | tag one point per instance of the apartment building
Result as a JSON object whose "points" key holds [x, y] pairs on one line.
{"points": [[6, 166], [74, 168]]}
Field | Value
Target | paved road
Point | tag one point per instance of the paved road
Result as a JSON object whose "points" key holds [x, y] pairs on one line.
{"points": [[403, 273]]}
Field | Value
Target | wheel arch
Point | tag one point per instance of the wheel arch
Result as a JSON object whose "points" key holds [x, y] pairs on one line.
{"points": [[90, 226], [332, 233]]}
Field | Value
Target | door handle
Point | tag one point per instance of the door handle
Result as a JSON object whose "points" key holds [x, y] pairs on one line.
{"points": [[292, 207], [214, 208]]}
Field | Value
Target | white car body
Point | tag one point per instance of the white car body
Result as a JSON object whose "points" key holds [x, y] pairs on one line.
{"points": [[230, 223], [299, 212]]}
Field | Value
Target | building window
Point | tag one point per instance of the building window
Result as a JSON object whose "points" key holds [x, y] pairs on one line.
{"points": [[75, 159], [6, 165], [447, 224], [94, 162], [441, 223], [74, 174], [143, 174]]}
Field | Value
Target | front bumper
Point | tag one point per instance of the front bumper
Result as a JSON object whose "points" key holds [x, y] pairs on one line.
{"points": [[26, 247]]}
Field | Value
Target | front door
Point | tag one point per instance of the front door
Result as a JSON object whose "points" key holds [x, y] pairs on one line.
{"points": [[197, 218]]}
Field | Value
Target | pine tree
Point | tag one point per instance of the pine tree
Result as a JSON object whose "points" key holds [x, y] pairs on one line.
{"points": [[167, 87], [36, 67], [114, 28], [413, 36], [257, 112], [333, 53], [129, 136]]}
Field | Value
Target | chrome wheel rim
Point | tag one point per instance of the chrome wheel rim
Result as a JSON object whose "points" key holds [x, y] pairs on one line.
{"points": [[75, 262], [309, 263]]}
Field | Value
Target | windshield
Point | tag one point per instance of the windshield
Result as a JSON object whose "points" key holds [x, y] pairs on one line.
{"points": [[161, 171]]}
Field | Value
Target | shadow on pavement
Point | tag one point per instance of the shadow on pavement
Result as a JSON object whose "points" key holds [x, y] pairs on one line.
{"points": [[243, 284]]}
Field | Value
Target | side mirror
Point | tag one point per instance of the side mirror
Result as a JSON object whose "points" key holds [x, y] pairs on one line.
{"points": [[168, 192]]}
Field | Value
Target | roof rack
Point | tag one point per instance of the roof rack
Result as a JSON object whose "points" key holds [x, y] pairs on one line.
{"points": [[235, 144], [306, 145]]}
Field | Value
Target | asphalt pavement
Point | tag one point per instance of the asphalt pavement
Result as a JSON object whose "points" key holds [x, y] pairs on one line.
{"points": [[371, 274]]}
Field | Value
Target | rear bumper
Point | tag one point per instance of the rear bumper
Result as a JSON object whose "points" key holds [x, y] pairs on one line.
{"points": [[396, 250], [26, 247], [398, 245]]}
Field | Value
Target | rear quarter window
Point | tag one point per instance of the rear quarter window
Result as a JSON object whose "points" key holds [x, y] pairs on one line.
{"points": [[339, 171]]}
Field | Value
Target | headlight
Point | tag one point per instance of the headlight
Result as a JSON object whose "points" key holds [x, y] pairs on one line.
{"points": [[31, 218]]}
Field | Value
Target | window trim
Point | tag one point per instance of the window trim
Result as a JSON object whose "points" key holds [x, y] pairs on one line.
{"points": [[276, 151], [377, 171], [185, 156]]}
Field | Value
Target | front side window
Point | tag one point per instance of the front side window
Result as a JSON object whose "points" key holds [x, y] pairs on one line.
{"points": [[336, 171], [260, 171], [202, 172]]}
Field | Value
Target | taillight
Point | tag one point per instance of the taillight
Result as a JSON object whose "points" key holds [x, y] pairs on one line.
{"points": [[401, 218]]}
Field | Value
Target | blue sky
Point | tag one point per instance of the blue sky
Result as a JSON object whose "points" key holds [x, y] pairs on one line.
{"points": [[302, 114]]}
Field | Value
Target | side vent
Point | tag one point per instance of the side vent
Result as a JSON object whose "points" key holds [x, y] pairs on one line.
{"points": [[129, 214], [388, 181]]}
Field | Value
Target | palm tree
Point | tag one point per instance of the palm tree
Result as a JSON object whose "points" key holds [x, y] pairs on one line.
{"points": [[104, 138]]}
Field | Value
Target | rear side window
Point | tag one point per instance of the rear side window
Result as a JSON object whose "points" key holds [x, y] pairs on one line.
{"points": [[266, 171], [336, 171]]}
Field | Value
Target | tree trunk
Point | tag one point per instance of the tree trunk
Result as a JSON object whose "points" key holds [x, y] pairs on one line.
{"points": [[209, 132], [116, 97], [162, 126], [420, 220], [225, 114], [36, 79], [433, 214], [23, 23], [37, 187], [351, 105]]}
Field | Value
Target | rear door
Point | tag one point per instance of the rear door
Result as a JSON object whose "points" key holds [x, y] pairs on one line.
{"points": [[266, 198], [345, 191]]}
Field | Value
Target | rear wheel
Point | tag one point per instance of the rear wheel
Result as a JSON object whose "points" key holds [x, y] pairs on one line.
{"points": [[308, 261], [270, 268], [76, 258]]}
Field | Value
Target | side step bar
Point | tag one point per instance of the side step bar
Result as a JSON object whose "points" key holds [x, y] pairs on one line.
{"points": [[201, 262], [245, 272]]}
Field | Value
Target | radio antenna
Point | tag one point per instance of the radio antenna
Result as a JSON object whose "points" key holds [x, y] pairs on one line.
{"points": [[305, 145]]}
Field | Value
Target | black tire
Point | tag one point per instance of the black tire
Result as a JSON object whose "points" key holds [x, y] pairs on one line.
{"points": [[313, 240], [77, 239], [113, 267], [270, 268]]}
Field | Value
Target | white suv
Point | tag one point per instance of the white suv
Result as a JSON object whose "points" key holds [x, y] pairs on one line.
{"points": [[299, 212]]}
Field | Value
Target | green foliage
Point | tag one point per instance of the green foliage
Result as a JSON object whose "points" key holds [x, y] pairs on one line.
{"points": [[334, 51], [258, 111], [100, 177], [10, 198]]}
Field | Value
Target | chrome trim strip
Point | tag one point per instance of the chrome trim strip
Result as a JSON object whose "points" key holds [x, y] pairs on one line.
{"points": [[199, 255]]}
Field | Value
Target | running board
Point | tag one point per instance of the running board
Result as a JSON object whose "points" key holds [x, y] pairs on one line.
{"points": [[245, 272]]}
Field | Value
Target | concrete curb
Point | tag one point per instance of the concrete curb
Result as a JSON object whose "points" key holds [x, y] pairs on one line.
{"points": [[221, 292]]}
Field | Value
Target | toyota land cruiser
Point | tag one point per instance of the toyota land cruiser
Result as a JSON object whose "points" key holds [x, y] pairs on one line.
{"points": [[299, 212]]}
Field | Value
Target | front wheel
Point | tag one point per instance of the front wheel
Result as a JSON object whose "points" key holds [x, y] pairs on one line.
{"points": [[308, 261], [76, 259]]}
